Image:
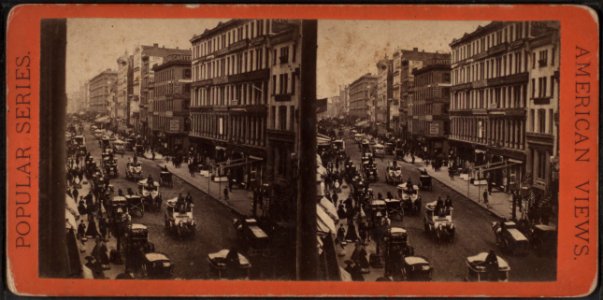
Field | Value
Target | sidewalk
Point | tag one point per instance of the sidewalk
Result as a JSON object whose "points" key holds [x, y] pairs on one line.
{"points": [[499, 203], [87, 247], [240, 200]]}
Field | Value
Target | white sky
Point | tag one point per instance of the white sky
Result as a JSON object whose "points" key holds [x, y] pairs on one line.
{"points": [[346, 49]]}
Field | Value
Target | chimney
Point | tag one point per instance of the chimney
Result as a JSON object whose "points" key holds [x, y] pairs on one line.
{"points": [[415, 49], [155, 45]]}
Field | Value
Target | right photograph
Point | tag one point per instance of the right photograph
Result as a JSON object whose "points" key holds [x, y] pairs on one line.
{"points": [[438, 149]]}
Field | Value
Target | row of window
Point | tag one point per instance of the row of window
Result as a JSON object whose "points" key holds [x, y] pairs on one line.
{"points": [[541, 121], [249, 30], [504, 65], [432, 92], [282, 117], [539, 87], [236, 63], [429, 109], [431, 78], [506, 34], [509, 133], [490, 98], [540, 160], [241, 129], [177, 105], [283, 84], [251, 93]]}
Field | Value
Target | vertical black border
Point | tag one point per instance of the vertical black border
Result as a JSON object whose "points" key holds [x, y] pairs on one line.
{"points": [[52, 250]]}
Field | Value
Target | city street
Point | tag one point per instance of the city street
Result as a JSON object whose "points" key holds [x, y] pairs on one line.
{"points": [[214, 221], [473, 231]]}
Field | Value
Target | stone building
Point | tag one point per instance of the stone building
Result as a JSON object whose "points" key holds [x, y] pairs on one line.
{"points": [[101, 87]]}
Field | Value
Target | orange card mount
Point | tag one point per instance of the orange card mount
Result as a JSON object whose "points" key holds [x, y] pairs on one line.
{"points": [[536, 123]]}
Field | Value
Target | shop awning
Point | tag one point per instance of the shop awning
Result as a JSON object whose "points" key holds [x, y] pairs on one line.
{"points": [[363, 123], [322, 140], [104, 119], [324, 223], [329, 208]]}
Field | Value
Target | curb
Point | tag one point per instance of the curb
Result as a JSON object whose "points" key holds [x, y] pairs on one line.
{"points": [[490, 211], [232, 209]]}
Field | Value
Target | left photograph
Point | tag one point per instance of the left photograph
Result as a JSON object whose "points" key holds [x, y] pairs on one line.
{"points": [[181, 148]]}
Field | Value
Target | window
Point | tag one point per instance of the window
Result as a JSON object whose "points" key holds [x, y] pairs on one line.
{"points": [[533, 60], [274, 57], [292, 118], [542, 58], [551, 121], [532, 121], [284, 57], [292, 84], [533, 88], [552, 93], [542, 161], [541, 121], [282, 117], [273, 84]]}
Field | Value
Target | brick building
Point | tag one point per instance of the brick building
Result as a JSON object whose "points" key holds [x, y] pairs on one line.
{"points": [[169, 107]]}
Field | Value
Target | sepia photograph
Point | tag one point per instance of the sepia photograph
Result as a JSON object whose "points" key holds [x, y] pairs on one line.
{"points": [[299, 150], [330, 150]]}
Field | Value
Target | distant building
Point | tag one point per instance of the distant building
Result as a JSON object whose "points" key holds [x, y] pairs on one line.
{"points": [[169, 108], [362, 96], [404, 62], [121, 112], [143, 59], [101, 88], [383, 100], [344, 96], [429, 124], [322, 107]]}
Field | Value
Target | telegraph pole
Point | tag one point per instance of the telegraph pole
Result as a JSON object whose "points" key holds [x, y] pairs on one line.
{"points": [[306, 252]]}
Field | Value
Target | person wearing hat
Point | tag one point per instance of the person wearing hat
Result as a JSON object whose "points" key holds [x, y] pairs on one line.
{"points": [[359, 256], [354, 270]]}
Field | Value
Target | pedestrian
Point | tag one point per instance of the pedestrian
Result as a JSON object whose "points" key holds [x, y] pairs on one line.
{"points": [[226, 194], [486, 197], [102, 227]]}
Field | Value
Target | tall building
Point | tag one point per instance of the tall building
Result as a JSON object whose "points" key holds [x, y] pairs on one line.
{"points": [[429, 122], [383, 100], [101, 89], [489, 95], [282, 132], [143, 59], [362, 96], [121, 113], [542, 135], [344, 100], [169, 107], [409, 60]]}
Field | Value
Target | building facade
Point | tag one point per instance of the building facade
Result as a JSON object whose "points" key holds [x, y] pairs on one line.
{"points": [[121, 115], [542, 135], [409, 61], [383, 99], [144, 58], [489, 95], [429, 123], [344, 96], [362, 97], [239, 67], [282, 132], [169, 107], [101, 91]]}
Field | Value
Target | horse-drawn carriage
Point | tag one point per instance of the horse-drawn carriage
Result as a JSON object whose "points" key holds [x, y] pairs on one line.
{"points": [[178, 217], [251, 236], [393, 174], [411, 200], [438, 221], [480, 269], [156, 265], [509, 238], [150, 194], [166, 179], [228, 264], [134, 170], [135, 205], [425, 180]]}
